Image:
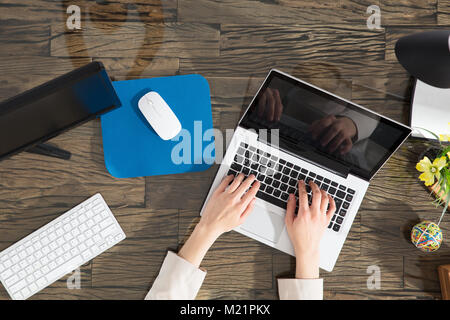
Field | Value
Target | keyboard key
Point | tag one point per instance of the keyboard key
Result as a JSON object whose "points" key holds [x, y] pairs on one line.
{"points": [[304, 171], [238, 159], [312, 174], [338, 204], [349, 198], [109, 230], [346, 205], [11, 280], [327, 180], [351, 191], [269, 190], [230, 172], [237, 167], [336, 227], [342, 213], [268, 180], [276, 183], [277, 202], [254, 166], [277, 193], [282, 161], [294, 174], [334, 184], [241, 151], [293, 182], [6, 274], [289, 165], [308, 188], [271, 164], [286, 171], [319, 178], [339, 220], [18, 286], [283, 187], [340, 194], [291, 190], [342, 187], [296, 168], [331, 191], [330, 225], [284, 196]]}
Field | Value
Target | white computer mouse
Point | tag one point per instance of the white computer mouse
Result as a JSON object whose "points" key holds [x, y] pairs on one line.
{"points": [[159, 115]]}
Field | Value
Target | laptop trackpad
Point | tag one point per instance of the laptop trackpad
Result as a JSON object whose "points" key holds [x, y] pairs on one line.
{"points": [[265, 224]]}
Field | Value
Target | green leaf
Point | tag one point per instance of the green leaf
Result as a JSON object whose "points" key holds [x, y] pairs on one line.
{"points": [[447, 201], [432, 133]]}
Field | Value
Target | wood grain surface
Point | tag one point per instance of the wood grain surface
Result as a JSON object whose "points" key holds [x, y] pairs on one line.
{"points": [[233, 43]]}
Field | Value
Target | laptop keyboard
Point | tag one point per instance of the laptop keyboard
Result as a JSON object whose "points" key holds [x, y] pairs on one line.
{"points": [[279, 178]]}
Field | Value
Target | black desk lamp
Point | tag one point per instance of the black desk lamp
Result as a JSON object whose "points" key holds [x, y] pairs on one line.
{"points": [[426, 56]]}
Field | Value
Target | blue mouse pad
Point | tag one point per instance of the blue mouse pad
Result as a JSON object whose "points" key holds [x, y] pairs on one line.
{"points": [[133, 149]]}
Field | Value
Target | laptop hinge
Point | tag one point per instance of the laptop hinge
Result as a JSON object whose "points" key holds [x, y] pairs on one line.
{"points": [[315, 159]]}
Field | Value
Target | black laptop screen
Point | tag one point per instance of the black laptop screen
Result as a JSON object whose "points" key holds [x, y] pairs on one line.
{"points": [[323, 128]]}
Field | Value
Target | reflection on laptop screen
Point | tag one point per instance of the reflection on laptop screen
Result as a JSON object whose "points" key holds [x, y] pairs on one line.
{"points": [[312, 122]]}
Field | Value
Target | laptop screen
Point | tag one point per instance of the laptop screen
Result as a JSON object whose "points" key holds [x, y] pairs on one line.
{"points": [[323, 128]]}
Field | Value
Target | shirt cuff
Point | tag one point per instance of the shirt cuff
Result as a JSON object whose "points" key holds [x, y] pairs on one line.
{"points": [[178, 279], [300, 289]]}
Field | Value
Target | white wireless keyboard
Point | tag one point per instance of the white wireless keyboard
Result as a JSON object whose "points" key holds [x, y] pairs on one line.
{"points": [[59, 247]]}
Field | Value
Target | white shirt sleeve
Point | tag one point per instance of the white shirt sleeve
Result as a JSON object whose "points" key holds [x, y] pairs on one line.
{"points": [[364, 125], [177, 280], [300, 289]]}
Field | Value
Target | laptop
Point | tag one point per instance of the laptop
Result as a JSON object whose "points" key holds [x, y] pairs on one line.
{"points": [[293, 130]]}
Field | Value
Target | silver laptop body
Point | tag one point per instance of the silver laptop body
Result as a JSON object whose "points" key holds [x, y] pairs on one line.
{"points": [[281, 159]]}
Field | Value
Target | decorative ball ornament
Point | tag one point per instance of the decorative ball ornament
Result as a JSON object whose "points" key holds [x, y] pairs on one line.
{"points": [[426, 236]]}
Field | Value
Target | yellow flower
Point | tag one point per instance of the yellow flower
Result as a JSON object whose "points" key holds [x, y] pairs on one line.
{"points": [[431, 171], [448, 154]]}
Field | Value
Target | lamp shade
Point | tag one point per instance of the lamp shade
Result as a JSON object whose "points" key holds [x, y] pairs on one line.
{"points": [[426, 56]]}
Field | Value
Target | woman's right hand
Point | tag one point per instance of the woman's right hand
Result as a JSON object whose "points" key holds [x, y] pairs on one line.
{"points": [[307, 227]]}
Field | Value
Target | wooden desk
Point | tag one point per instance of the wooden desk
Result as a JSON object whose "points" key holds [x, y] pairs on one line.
{"points": [[233, 45]]}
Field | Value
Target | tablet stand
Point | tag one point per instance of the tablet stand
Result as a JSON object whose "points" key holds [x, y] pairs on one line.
{"points": [[50, 151]]}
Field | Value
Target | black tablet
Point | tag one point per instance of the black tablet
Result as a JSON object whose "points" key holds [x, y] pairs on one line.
{"points": [[53, 107]]}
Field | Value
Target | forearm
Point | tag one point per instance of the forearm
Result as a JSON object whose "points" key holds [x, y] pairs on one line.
{"points": [[307, 266], [198, 244]]}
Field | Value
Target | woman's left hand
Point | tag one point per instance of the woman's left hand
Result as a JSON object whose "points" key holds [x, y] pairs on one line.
{"points": [[228, 207], [230, 204]]}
